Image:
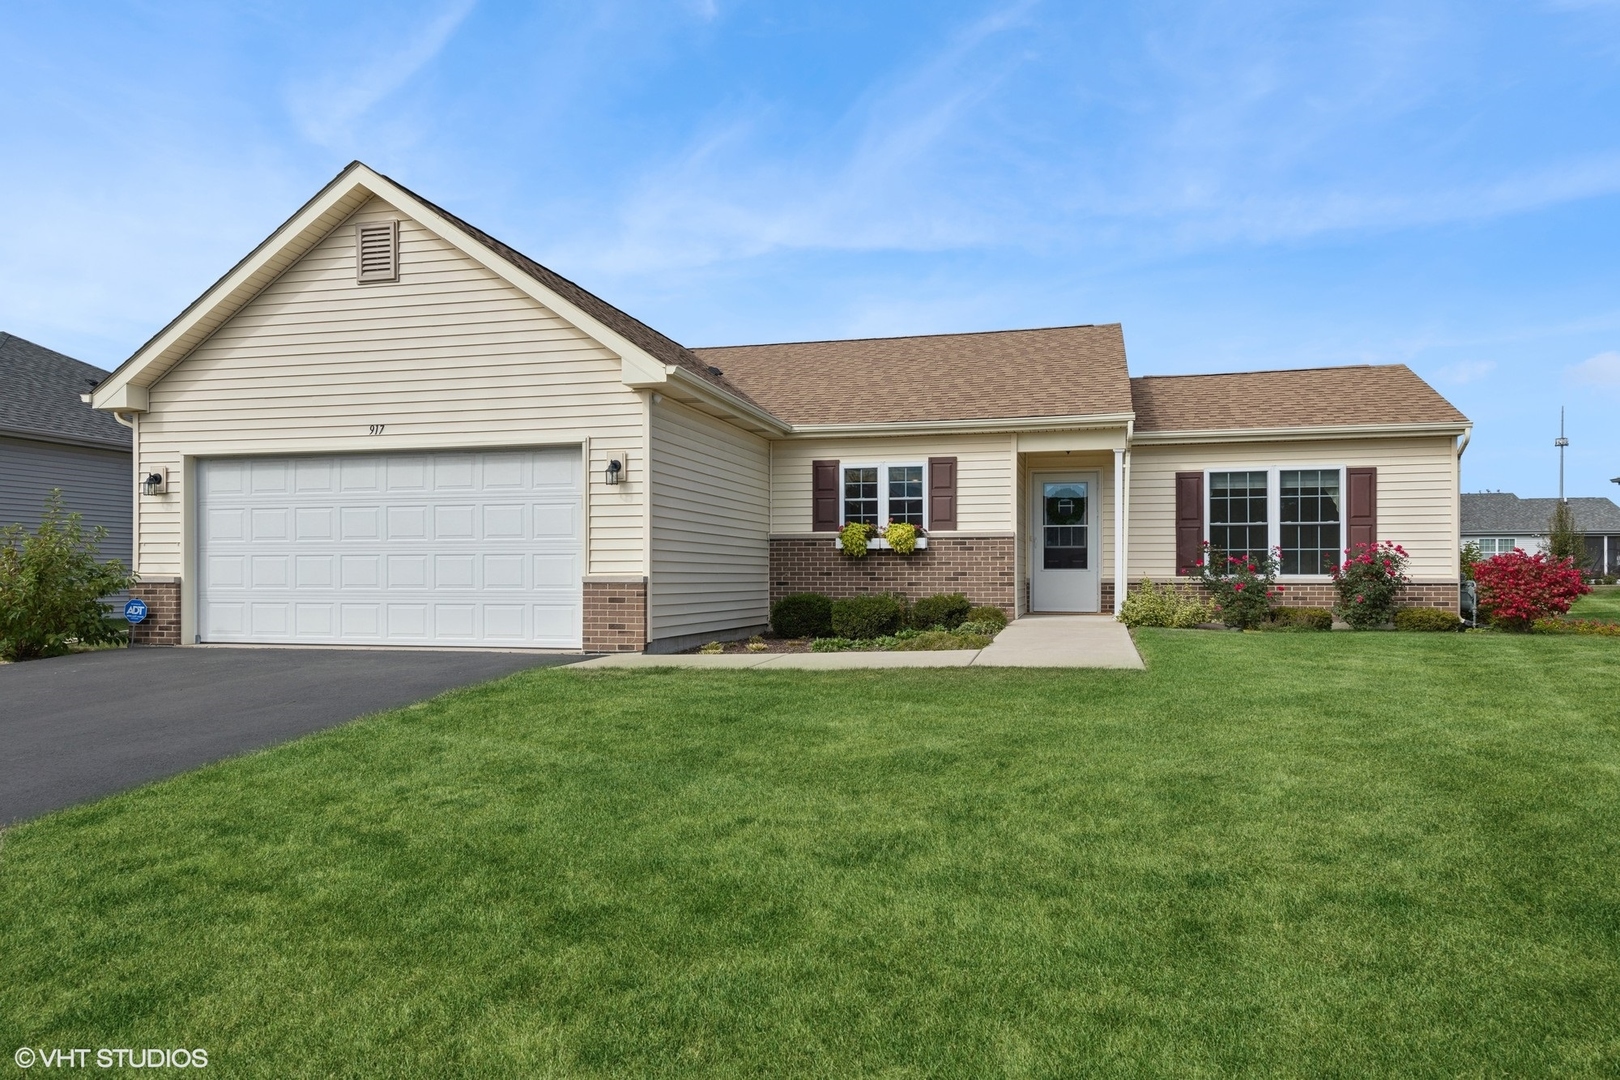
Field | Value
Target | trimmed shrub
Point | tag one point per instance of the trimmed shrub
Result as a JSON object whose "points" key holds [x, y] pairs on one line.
{"points": [[989, 615], [51, 585], [1367, 582], [1516, 589], [1594, 627], [1164, 605], [949, 610], [1303, 618], [802, 615], [865, 617], [1427, 619]]}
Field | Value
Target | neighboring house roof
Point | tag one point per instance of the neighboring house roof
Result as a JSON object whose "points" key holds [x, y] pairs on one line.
{"points": [[39, 397], [1065, 371], [1355, 396], [1501, 513]]}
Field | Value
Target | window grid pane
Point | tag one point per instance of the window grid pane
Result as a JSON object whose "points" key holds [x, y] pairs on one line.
{"points": [[1310, 520], [1237, 514], [906, 494], [861, 496]]}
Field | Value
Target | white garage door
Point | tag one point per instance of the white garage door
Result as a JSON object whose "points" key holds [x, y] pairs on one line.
{"points": [[392, 549]]}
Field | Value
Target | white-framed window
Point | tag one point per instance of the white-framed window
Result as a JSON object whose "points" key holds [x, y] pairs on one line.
{"points": [[884, 491], [1496, 545], [1297, 511]]}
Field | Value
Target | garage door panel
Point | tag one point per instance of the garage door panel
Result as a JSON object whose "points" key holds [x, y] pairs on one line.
{"points": [[314, 621], [457, 548], [270, 477], [314, 572], [313, 523], [271, 571], [455, 571], [407, 474], [455, 622], [504, 472], [359, 474], [555, 571], [407, 572], [407, 522], [225, 524], [314, 476], [453, 523], [503, 522]]}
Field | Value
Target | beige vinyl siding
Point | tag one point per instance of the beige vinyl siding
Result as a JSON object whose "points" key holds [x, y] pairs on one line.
{"points": [[710, 556], [448, 356], [984, 481], [1417, 493]]}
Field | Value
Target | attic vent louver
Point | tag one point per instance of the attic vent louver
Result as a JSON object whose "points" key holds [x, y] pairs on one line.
{"points": [[376, 251]]}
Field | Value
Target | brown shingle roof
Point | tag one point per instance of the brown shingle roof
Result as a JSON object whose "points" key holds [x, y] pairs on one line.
{"points": [[1005, 374], [1305, 397]]}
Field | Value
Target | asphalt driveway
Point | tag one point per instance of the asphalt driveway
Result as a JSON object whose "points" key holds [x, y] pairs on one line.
{"points": [[76, 728]]}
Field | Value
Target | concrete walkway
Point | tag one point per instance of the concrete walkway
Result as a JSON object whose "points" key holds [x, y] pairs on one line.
{"points": [[1033, 641], [1062, 641]]}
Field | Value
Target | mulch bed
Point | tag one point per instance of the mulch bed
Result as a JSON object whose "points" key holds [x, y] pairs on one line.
{"points": [[772, 645]]}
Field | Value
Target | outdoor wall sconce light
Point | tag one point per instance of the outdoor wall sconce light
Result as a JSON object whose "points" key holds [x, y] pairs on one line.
{"points": [[615, 470], [156, 482]]}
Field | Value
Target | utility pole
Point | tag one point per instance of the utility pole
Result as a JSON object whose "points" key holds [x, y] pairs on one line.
{"points": [[1562, 444]]}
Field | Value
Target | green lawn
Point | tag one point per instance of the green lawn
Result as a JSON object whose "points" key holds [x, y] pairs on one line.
{"points": [[1386, 855], [1603, 602]]}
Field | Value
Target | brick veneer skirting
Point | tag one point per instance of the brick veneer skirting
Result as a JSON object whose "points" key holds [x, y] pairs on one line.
{"points": [[1445, 595], [980, 567], [615, 615], [162, 623]]}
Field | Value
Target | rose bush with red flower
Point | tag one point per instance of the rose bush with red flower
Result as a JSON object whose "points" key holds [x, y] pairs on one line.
{"points": [[1242, 586], [1516, 589], [1368, 581]]}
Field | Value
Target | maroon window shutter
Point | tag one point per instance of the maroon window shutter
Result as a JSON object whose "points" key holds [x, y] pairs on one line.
{"points": [[1189, 520], [942, 493], [824, 496], [1361, 511]]}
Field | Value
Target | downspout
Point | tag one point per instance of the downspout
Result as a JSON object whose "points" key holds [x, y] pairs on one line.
{"points": [[135, 476]]}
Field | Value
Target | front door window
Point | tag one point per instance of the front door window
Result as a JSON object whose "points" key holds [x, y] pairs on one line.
{"points": [[1064, 543]]}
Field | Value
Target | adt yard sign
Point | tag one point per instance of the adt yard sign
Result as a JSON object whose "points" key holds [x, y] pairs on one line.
{"points": [[135, 610]]}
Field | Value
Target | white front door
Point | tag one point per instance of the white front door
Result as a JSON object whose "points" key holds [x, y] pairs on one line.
{"points": [[1063, 573], [479, 548]]}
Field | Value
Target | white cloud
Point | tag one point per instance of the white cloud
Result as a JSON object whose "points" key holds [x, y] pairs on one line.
{"points": [[327, 107], [1602, 370], [1465, 371]]}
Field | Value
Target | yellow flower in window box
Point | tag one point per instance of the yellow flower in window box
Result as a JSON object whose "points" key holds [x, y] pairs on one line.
{"points": [[901, 536], [852, 539]]}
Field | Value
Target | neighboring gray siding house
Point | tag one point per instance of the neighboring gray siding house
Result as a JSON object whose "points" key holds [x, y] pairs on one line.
{"points": [[1499, 521], [50, 438]]}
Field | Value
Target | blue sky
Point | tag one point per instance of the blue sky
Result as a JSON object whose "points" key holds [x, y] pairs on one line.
{"points": [[1241, 185]]}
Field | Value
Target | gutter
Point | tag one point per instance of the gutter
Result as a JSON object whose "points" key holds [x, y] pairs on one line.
{"points": [[926, 427], [724, 398], [1265, 434]]}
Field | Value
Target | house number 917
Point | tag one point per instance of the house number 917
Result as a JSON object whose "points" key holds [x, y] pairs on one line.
{"points": [[375, 429]]}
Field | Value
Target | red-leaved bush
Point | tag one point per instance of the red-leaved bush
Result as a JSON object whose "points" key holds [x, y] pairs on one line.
{"points": [[1516, 589]]}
